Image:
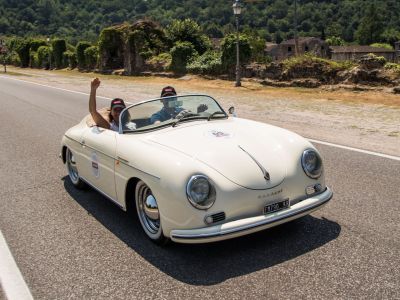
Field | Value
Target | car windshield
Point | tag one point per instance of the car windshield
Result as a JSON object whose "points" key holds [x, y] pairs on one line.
{"points": [[169, 111]]}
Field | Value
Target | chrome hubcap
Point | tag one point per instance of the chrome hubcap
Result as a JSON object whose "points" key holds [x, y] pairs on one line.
{"points": [[72, 169], [148, 210]]}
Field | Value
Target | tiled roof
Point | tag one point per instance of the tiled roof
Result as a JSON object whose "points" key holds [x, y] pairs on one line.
{"points": [[358, 49]]}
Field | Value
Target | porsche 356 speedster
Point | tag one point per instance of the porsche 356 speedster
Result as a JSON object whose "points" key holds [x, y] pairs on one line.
{"points": [[197, 175]]}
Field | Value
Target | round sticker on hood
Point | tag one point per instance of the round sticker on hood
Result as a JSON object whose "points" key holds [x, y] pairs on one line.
{"points": [[216, 133]]}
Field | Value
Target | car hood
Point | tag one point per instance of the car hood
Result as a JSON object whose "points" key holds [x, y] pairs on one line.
{"points": [[247, 153]]}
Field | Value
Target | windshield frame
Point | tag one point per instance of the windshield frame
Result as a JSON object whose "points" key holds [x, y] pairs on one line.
{"points": [[121, 131]]}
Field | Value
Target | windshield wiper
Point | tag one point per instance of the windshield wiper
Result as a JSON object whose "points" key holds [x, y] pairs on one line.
{"points": [[214, 114], [184, 114]]}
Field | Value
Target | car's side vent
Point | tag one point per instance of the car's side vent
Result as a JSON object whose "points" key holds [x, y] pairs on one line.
{"points": [[218, 217]]}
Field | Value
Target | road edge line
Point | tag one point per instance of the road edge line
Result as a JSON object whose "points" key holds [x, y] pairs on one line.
{"points": [[311, 140], [355, 149], [11, 279], [53, 87]]}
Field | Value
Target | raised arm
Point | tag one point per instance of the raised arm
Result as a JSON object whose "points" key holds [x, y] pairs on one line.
{"points": [[98, 118]]}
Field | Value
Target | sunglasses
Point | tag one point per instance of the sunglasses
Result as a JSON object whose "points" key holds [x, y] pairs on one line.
{"points": [[117, 109]]}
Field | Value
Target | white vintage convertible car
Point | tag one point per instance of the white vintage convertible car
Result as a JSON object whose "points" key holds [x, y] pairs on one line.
{"points": [[197, 175]]}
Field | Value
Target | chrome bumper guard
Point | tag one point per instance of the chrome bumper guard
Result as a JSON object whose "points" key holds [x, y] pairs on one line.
{"points": [[253, 224]]}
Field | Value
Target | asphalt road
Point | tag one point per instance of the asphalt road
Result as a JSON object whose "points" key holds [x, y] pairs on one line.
{"points": [[78, 245]]}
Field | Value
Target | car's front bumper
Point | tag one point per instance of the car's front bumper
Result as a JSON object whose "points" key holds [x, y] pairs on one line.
{"points": [[249, 225]]}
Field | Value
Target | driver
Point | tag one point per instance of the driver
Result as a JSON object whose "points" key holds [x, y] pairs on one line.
{"points": [[170, 106]]}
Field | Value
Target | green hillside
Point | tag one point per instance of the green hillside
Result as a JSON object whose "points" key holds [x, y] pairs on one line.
{"points": [[272, 19]]}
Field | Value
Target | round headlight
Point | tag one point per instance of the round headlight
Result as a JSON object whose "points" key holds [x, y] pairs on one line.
{"points": [[311, 163], [200, 192]]}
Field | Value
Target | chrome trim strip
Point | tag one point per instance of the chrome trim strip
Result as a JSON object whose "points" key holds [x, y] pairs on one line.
{"points": [[251, 226], [265, 172], [104, 194]]}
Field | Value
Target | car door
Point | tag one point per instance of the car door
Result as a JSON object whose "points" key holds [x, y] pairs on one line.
{"points": [[98, 149]]}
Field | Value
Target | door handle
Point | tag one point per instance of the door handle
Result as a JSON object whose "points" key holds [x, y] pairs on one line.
{"points": [[122, 159]]}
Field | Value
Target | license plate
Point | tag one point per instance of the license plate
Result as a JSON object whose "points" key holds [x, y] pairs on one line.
{"points": [[276, 206]]}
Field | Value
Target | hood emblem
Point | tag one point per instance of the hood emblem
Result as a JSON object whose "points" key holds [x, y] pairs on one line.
{"points": [[263, 170]]}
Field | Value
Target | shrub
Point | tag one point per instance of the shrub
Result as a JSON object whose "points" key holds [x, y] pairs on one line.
{"points": [[69, 58], [59, 47], [35, 44], [160, 62], [71, 48], [33, 59], [91, 56], [308, 59], [335, 41], [228, 47], [80, 54], [382, 45], [209, 63], [393, 67], [21, 47], [44, 56], [181, 54], [379, 59]]}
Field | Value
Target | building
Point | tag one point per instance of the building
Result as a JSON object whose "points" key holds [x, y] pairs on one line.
{"points": [[270, 50], [397, 49], [286, 49], [343, 53]]}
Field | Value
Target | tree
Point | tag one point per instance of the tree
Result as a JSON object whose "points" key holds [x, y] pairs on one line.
{"points": [[228, 47], [188, 31], [390, 36], [371, 27], [181, 54], [335, 41]]}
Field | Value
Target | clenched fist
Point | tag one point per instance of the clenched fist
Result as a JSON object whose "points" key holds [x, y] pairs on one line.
{"points": [[95, 84]]}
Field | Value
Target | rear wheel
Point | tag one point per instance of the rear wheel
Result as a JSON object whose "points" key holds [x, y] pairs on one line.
{"points": [[73, 170], [148, 213]]}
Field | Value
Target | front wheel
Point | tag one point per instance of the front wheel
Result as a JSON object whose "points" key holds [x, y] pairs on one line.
{"points": [[148, 213], [73, 171]]}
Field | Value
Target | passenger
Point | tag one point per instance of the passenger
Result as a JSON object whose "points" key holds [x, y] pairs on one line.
{"points": [[117, 105], [170, 108]]}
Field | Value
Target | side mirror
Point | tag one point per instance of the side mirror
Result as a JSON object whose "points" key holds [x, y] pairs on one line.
{"points": [[232, 112]]}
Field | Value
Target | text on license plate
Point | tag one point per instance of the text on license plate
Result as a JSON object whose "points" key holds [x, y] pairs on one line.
{"points": [[276, 206]]}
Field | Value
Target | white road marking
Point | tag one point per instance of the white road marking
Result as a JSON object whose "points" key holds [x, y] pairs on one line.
{"points": [[53, 87], [311, 140], [356, 149], [12, 282]]}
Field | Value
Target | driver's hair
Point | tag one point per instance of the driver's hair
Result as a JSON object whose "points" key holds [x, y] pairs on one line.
{"points": [[110, 117]]}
